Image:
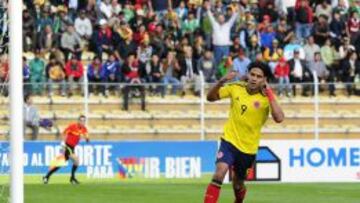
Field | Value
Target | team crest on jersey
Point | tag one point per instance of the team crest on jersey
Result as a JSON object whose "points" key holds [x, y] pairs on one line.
{"points": [[257, 104], [220, 154]]}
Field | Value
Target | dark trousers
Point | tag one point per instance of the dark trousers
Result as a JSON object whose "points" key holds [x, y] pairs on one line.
{"points": [[126, 91], [305, 88], [34, 129], [95, 86]]}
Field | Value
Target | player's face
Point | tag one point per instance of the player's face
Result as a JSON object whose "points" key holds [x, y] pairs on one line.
{"points": [[82, 121], [256, 78]]}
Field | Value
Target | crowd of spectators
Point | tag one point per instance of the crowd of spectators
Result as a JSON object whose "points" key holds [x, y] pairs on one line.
{"points": [[169, 42]]}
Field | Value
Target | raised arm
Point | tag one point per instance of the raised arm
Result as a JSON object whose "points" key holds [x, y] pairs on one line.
{"points": [[213, 94], [276, 111]]}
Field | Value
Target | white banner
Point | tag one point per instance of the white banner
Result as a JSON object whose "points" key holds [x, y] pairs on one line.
{"points": [[315, 160]]}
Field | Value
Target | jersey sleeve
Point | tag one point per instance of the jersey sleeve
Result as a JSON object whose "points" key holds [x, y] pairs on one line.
{"points": [[225, 91]]}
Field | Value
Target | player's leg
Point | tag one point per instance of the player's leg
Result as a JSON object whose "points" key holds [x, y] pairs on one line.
{"points": [[224, 160], [75, 161], [239, 188], [242, 165], [46, 178], [213, 189]]}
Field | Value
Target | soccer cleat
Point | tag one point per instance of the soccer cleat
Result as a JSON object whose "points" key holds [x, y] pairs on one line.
{"points": [[74, 181], [45, 180]]}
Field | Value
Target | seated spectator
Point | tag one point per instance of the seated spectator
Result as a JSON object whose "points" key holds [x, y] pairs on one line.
{"points": [[351, 68], [111, 74], [337, 29], [321, 30], [253, 49], [127, 45], [48, 40], [101, 40], [37, 76], [71, 43], [133, 75], [4, 74], [83, 27], [74, 74], [240, 65], [26, 77], [322, 73], [207, 65], [156, 74], [300, 73], [282, 73], [189, 72], [31, 117], [310, 49], [304, 19], [354, 26], [345, 48], [55, 73], [95, 77], [171, 69], [29, 31]]}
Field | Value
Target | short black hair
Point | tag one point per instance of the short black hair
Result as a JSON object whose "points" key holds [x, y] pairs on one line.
{"points": [[27, 97], [82, 116], [264, 67]]}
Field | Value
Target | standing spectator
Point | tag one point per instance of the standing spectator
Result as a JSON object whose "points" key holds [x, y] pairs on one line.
{"points": [[282, 73], [70, 43], [310, 49], [253, 49], [240, 65], [284, 32], [304, 19], [111, 74], [56, 74], [267, 37], [95, 77], [106, 9], [83, 26], [207, 65], [144, 53], [74, 73], [171, 70], [133, 75], [189, 72], [299, 73], [37, 70], [351, 67], [31, 117], [221, 34]]}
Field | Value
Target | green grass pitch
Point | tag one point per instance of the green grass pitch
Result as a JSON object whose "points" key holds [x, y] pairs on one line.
{"points": [[59, 190]]}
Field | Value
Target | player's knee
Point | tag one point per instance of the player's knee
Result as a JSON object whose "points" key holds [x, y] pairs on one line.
{"points": [[239, 185]]}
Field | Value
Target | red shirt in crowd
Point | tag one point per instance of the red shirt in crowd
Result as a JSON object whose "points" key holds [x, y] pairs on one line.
{"points": [[282, 70], [74, 69]]}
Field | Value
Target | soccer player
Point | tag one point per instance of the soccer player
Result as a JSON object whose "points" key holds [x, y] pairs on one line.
{"points": [[251, 102], [72, 136]]}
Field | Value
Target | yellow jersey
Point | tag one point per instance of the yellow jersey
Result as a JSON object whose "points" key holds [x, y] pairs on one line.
{"points": [[248, 113]]}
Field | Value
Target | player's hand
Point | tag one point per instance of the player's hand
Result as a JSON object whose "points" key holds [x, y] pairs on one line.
{"points": [[230, 76]]}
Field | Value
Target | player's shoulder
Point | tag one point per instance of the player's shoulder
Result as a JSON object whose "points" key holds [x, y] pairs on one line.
{"points": [[240, 84]]}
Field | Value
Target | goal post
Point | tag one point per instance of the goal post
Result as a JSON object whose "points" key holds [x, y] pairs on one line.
{"points": [[16, 102]]}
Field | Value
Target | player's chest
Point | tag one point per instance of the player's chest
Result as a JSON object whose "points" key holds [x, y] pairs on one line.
{"points": [[249, 104]]}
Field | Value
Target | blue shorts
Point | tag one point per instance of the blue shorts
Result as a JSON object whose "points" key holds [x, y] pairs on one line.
{"points": [[237, 160]]}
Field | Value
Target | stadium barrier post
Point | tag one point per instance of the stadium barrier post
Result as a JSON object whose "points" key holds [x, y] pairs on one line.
{"points": [[202, 106], [316, 105], [16, 104], [86, 96]]}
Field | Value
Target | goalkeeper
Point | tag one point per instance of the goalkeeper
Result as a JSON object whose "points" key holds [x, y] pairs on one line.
{"points": [[72, 136]]}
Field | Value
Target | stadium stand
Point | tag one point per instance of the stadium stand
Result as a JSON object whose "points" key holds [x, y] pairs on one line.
{"points": [[134, 31]]}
